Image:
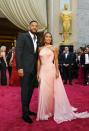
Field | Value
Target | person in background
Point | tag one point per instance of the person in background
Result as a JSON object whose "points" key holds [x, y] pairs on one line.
{"points": [[14, 80], [80, 70], [8, 58], [84, 60], [75, 66], [66, 60], [3, 65], [88, 48], [60, 65]]}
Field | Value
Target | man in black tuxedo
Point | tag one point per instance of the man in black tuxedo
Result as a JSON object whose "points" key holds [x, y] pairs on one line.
{"points": [[26, 61], [66, 61], [84, 60]]}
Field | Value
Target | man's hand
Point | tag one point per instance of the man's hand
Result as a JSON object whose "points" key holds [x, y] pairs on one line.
{"points": [[21, 72], [66, 65]]}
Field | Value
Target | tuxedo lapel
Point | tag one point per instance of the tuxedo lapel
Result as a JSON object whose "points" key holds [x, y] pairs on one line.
{"points": [[68, 55], [28, 35]]}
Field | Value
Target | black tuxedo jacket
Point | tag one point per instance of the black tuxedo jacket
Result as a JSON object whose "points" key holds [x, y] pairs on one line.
{"points": [[26, 58], [82, 59], [68, 60]]}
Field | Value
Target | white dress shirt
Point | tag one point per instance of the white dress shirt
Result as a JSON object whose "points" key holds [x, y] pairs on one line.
{"points": [[34, 41], [66, 54], [86, 59]]}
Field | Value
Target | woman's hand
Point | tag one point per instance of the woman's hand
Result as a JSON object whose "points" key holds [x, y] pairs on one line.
{"points": [[57, 74], [38, 78], [10, 63], [6, 64]]}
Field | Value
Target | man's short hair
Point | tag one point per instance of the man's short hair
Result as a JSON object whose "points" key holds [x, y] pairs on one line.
{"points": [[66, 47], [33, 22]]}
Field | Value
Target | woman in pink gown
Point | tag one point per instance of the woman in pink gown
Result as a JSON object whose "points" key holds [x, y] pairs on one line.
{"points": [[53, 100]]}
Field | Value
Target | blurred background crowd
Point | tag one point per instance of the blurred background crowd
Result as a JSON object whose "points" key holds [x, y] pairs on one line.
{"points": [[73, 65]]}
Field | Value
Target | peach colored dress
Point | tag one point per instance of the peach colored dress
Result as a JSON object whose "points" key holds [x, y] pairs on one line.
{"points": [[53, 100]]}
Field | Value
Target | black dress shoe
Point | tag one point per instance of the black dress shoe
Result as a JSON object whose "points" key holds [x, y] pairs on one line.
{"points": [[32, 113], [27, 119]]}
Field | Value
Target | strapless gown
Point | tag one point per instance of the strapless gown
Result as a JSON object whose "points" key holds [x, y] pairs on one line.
{"points": [[53, 100]]}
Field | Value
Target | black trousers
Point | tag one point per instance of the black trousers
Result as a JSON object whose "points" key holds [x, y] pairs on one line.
{"points": [[26, 91], [85, 73], [67, 73], [9, 70], [3, 76]]}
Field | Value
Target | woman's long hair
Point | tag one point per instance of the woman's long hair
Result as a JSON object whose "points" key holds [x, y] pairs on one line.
{"points": [[43, 39]]}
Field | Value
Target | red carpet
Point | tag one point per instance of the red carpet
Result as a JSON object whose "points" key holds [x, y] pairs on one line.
{"points": [[10, 111]]}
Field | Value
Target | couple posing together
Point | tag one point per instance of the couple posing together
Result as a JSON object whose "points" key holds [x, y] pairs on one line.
{"points": [[53, 100]]}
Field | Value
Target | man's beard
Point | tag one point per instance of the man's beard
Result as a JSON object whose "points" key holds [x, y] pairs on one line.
{"points": [[35, 33]]}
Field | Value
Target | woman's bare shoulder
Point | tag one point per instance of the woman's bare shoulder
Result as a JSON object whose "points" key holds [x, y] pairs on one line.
{"points": [[39, 49], [3, 53]]}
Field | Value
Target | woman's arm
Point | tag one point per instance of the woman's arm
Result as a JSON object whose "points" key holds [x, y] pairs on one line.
{"points": [[4, 57], [38, 68], [38, 64], [56, 62], [10, 63]]}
